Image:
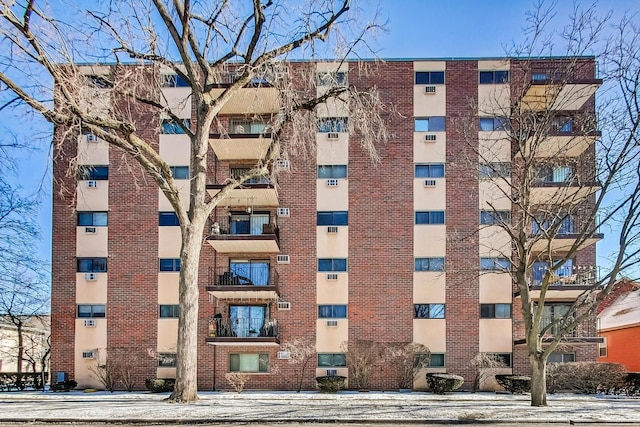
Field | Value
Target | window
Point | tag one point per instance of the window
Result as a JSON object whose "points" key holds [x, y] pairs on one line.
{"points": [[561, 275], [333, 218], [332, 311], [504, 358], [167, 219], [332, 171], [499, 264], [169, 311], [167, 360], [428, 311], [495, 217], [247, 126], [247, 272], [333, 124], [433, 170], [92, 219], [436, 360], [429, 77], [91, 310], [565, 225], [252, 224], [562, 124], [179, 172], [334, 78], [332, 360], [244, 362], [430, 217], [429, 264], [494, 170], [494, 123], [173, 80], [429, 124], [93, 173], [561, 357], [171, 127], [238, 172], [99, 82], [553, 174], [494, 77], [169, 264], [332, 264], [92, 265], [495, 311]]}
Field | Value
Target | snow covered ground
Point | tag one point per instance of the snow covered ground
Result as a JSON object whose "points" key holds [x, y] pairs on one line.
{"points": [[307, 406]]}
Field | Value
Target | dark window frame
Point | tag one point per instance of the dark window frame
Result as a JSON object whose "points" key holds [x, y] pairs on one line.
{"points": [[93, 173], [171, 127], [429, 78], [490, 217], [96, 264], [495, 311], [430, 170], [168, 311], [332, 311], [169, 265], [430, 124], [88, 219], [430, 264], [341, 361], [495, 264], [430, 218], [493, 77], [334, 218], [333, 172], [263, 362], [178, 172], [168, 219], [336, 265], [429, 311], [97, 311]]}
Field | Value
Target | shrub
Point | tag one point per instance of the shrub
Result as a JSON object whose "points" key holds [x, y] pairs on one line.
{"points": [[331, 384], [160, 385], [237, 380], [514, 383], [444, 383], [65, 386], [632, 384], [584, 377], [408, 359]]}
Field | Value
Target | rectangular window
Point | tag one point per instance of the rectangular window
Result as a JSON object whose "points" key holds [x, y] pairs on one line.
{"points": [[429, 77], [433, 170], [332, 311], [494, 170], [494, 77], [169, 311], [171, 127], [430, 217], [91, 310], [99, 82], [495, 311], [562, 226], [504, 358], [561, 357], [333, 124], [247, 272], [244, 362], [488, 124], [429, 124], [553, 174], [179, 172], [92, 219], [429, 264], [335, 360], [332, 171], [333, 218], [93, 173], [169, 264], [167, 360], [172, 80], [497, 264], [238, 172], [495, 217], [168, 219], [247, 126], [428, 311], [332, 264], [92, 265], [333, 78], [436, 360]]}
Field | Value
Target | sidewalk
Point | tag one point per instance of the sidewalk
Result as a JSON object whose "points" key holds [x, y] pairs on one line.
{"points": [[374, 407]]}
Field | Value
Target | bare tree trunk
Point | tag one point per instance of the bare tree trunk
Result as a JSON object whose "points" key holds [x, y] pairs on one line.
{"points": [[186, 388], [538, 380]]}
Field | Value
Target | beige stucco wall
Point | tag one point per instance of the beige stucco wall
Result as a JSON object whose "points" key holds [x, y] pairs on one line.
{"points": [[169, 242], [333, 107], [494, 99], [166, 373], [494, 241], [429, 286], [332, 151], [495, 336], [92, 153], [167, 335], [91, 291], [495, 288], [178, 99], [332, 198], [329, 339], [429, 198], [432, 333], [175, 149], [91, 244], [167, 288], [425, 105], [494, 146], [332, 245], [493, 194], [332, 291], [429, 240], [163, 202], [89, 338], [429, 151], [92, 199]]}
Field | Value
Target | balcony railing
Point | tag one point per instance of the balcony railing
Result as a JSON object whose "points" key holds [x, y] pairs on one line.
{"points": [[567, 275], [247, 330], [243, 225], [239, 275], [584, 329]]}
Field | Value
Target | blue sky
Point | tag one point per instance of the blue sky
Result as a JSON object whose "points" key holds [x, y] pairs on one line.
{"points": [[415, 29]]}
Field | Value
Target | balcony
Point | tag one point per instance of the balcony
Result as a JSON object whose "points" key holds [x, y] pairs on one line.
{"points": [[256, 98], [565, 237], [239, 146], [555, 91], [258, 191], [250, 233], [584, 332], [242, 281], [567, 282], [247, 331], [561, 192], [557, 143]]}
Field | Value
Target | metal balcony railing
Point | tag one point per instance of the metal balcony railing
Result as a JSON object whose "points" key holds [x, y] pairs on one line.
{"points": [[567, 275], [243, 274], [243, 225], [243, 328], [584, 329]]}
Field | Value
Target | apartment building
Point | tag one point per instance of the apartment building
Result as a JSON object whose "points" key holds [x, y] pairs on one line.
{"points": [[341, 249]]}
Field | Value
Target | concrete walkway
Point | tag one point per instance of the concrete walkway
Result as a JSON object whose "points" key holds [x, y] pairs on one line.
{"points": [[374, 407]]}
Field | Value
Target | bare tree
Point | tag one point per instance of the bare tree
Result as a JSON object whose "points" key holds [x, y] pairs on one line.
{"points": [[409, 360], [302, 352], [218, 48], [485, 366], [555, 176]]}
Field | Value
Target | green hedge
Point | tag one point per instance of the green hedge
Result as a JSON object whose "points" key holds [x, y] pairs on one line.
{"points": [[331, 384]]}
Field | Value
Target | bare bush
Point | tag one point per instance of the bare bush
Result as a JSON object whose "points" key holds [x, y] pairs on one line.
{"points": [[408, 359], [301, 353], [485, 365], [361, 359], [238, 380], [585, 377]]}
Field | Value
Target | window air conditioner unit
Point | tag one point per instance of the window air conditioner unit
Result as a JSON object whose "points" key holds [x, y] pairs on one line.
{"points": [[332, 323], [332, 183], [92, 183], [283, 164], [284, 305], [284, 354], [332, 276], [333, 135], [430, 90], [283, 212], [430, 137], [88, 354], [332, 229], [90, 277], [91, 137], [90, 323], [332, 372], [282, 259], [430, 182], [90, 230]]}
